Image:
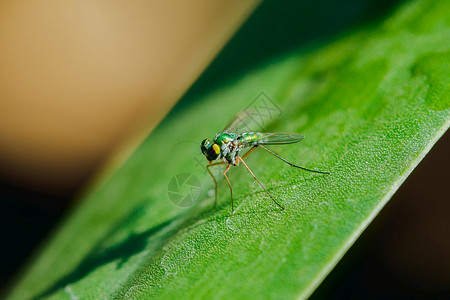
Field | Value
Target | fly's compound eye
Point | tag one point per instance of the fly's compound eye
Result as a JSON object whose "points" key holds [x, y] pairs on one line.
{"points": [[205, 145], [211, 151]]}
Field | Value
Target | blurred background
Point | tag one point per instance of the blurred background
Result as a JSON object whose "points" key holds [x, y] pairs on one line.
{"points": [[82, 83]]}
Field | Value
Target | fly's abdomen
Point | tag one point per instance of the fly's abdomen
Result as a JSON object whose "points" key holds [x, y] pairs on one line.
{"points": [[249, 138]]}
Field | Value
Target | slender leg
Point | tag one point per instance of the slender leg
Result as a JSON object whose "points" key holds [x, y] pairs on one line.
{"points": [[249, 151], [215, 181], [229, 184], [241, 160], [291, 164], [228, 180]]}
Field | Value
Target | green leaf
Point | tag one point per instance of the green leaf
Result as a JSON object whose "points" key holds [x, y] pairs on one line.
{"points": [[370, 106]]}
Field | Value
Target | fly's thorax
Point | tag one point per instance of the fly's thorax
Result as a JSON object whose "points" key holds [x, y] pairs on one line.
{"points": [[224, 138], [229, 146], [249, 138]]}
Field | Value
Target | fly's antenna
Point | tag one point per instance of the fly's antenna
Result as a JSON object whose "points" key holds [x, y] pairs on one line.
{"points": [[291, 164]]}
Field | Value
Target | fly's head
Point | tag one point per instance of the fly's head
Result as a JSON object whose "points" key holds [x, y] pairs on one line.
{"points": [[210, 150]]}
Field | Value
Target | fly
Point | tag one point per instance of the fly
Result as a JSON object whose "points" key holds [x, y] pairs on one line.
{"points": [[228, 143]]}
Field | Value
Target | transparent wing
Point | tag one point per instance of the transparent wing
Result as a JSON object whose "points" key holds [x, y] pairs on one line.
{"points": [[242, 122], [252, 119], [279, 138]]}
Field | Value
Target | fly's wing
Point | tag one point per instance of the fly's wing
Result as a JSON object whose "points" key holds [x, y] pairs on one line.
{"points": [[252, 119], [242, 122], [279, 138]]}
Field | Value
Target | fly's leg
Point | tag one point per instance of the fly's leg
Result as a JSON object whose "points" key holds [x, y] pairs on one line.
{"points": [[228, 180], [289, 163], [215, 181], [249, 151], [229, 184], [250, 171]]}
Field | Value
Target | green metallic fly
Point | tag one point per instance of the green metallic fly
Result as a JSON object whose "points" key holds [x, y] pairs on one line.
{"points": [[229, 142]]}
